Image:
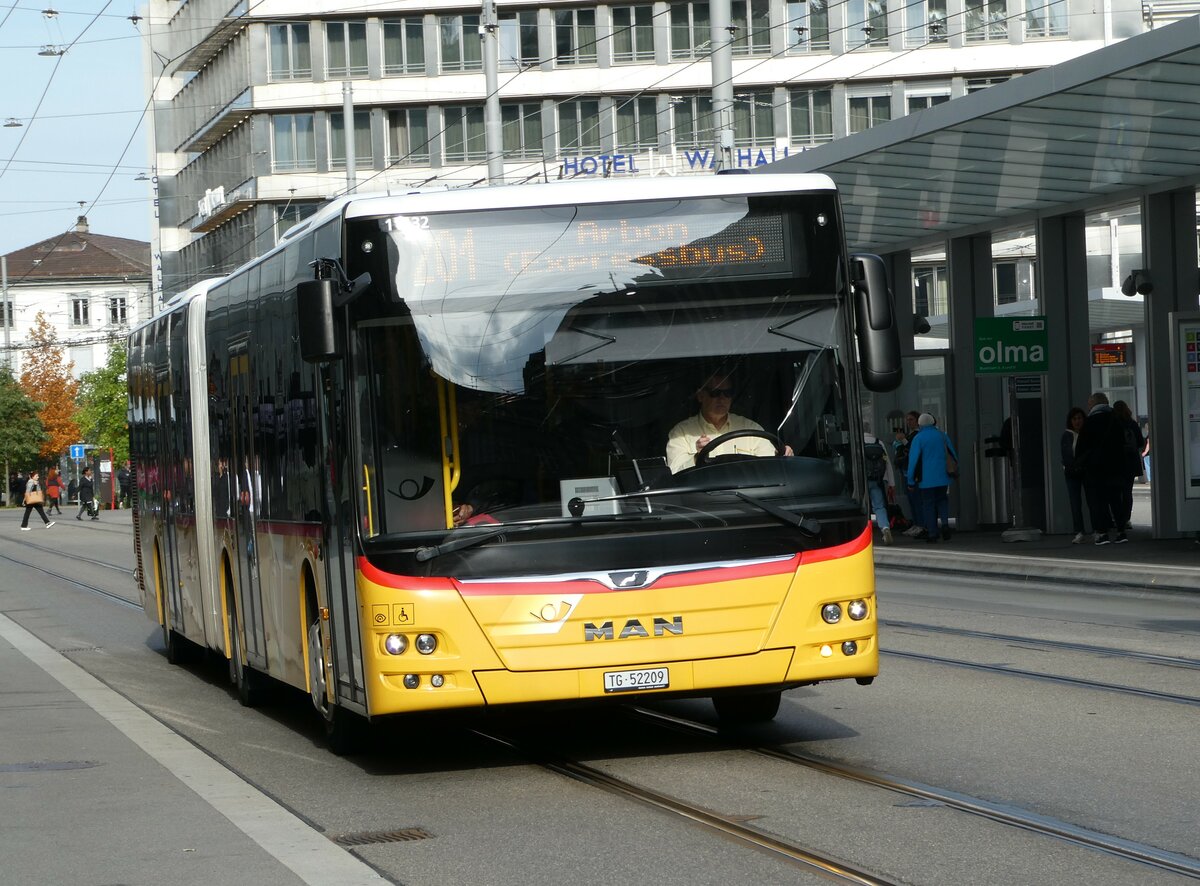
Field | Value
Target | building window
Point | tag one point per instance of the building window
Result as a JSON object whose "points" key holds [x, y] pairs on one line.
{"points": [[925, 22], [986, 20], [575, 36], [869, 110], [518, 40], [79, 310], [637, 123], [1046, 21], [461, 49], [346, 49], [291, 56], [980, 83], [408, 137], [752, 19], [693, 121], [923, 102], [931, 290], [403, 46], [522, 127], [808, 26], [690, 34], [293, 143], [633, 34], [753, 119], [579, 127], [811, 116], [464, 139], [292, 214], [6, 314], [362, 140], [116, 310], [867, 23]]}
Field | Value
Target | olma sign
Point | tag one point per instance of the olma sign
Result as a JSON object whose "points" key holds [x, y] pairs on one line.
{"points": [[1010, 345]]}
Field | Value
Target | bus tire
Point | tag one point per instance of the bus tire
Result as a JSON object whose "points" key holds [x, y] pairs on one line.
{"points": [[740, 710], [344, 731], [251, 685], [179, 650]]}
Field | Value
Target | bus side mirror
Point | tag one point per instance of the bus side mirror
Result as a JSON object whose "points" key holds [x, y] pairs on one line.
{"points": [[875, 322], [314, 304]]}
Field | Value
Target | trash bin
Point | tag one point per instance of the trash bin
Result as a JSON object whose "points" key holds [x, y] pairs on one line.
{"points": [[991, 472]]}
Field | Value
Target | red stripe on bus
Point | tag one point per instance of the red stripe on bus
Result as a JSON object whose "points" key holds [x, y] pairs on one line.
{"points": [[403, 582], [837, 552]]}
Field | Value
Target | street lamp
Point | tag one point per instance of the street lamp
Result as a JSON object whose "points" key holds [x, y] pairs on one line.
{"points": [[12, 123], [51, 50]]}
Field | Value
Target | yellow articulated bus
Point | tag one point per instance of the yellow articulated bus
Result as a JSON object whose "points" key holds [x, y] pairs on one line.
{"points": [[509, 445]]}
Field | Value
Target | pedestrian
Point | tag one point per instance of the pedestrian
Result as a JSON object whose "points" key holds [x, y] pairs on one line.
{"points": [[879, 480], [86, 495], [34, 496], [932, 464], [1100, 453], [53, 492], [124, 483], [1073, 472], [1134, 446], [911, 495]]}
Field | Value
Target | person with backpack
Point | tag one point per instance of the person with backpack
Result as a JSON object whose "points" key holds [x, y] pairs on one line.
{"points": [[879, 480], [87, 494], [1100, 454]]}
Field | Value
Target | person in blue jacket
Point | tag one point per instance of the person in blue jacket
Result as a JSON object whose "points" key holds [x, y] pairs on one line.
{"points": [[932, 464]]}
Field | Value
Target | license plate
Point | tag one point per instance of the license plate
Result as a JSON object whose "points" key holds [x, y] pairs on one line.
{"points": [[632, 681]]}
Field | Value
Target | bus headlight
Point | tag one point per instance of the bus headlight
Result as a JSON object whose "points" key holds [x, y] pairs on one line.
{"points": [[395, 644], [849, 647], [426, 643], [411, 681], [832, 613], [437, 681], [857, 609]]}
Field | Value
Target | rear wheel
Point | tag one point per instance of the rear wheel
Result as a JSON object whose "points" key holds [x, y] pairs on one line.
{"points": [[758, 707]]}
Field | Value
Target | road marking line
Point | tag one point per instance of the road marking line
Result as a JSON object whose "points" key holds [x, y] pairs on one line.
{"points": [[305, 851]]}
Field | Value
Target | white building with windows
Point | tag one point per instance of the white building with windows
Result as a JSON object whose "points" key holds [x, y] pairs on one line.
{"points": [[249, 128], [91, 288]]}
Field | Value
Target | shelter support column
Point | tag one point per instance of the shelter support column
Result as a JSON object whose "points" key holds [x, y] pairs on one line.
{"points": [[1169, 252], [1062, 288], [977, 403]]}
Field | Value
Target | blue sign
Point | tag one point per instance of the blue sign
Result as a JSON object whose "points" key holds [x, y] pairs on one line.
{"points": [[77, 451]]}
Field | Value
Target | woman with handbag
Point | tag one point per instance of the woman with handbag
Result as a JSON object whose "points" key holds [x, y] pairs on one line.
{"points": [[33, 501]]}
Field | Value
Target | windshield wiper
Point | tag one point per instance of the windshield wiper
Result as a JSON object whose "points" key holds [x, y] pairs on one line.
{"points": [[807, 525], [462, 542]]}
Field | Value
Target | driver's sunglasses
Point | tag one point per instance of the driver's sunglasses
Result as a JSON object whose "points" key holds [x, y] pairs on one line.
{"points": [[714, 393]]}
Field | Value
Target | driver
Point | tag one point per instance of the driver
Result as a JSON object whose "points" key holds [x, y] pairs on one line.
{"points": [[691, 435]]}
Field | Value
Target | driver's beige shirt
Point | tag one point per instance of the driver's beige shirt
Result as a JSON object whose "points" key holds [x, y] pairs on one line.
{"points": [[681, 442]]}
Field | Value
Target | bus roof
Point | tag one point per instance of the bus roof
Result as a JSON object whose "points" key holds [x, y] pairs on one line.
{"points": [[573, 193]]}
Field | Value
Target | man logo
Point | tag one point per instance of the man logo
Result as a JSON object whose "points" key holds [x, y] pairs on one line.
{"points": [[633, 628], [628, 580]]}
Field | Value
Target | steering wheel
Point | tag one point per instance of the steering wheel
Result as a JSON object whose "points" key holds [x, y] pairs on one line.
{"points": [[702, 457]]}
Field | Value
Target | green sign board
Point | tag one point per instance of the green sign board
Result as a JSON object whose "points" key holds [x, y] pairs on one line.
{"points": [[1011, 346]]}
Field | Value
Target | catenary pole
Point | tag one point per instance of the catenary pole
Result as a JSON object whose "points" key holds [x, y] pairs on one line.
{"points": [[722, 82], [493, 138], [348, 135]]}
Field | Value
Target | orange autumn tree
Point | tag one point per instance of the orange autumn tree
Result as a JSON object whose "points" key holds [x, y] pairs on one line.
{"points": [[46, 379]]}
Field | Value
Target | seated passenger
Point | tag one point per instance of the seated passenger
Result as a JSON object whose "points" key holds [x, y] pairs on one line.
{"points": [[691, 435]]}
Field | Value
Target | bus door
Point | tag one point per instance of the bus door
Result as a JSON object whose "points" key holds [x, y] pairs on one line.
{"points": [[244, 471], [340, 493], [168, 448]]}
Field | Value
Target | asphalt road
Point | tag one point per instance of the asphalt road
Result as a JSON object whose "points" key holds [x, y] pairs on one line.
{"points": [[1105, 752]]}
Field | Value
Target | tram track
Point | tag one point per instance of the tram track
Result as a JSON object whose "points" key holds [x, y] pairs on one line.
{"points": [[101, 592], [803, 857], [75, 558], [1041, 643], [1049, 678], [1012, 816]]}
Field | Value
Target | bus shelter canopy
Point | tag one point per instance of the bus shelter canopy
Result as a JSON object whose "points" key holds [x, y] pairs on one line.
{"points": [[1097, 130]]}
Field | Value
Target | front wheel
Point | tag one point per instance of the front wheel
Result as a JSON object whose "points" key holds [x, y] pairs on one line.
{"points": [[344, 731], [741, 710]]}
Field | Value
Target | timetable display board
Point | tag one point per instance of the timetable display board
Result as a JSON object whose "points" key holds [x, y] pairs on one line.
{"points": [[1186, 359]]}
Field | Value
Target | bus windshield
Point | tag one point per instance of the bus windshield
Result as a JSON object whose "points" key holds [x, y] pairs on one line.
{"points": [[545, 366]]}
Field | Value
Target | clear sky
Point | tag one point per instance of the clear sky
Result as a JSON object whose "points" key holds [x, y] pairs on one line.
{"points": [[73, 147]]}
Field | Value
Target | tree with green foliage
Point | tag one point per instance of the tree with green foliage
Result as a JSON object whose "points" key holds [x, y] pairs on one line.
{"points": [[103, 404], [21, 431]]}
